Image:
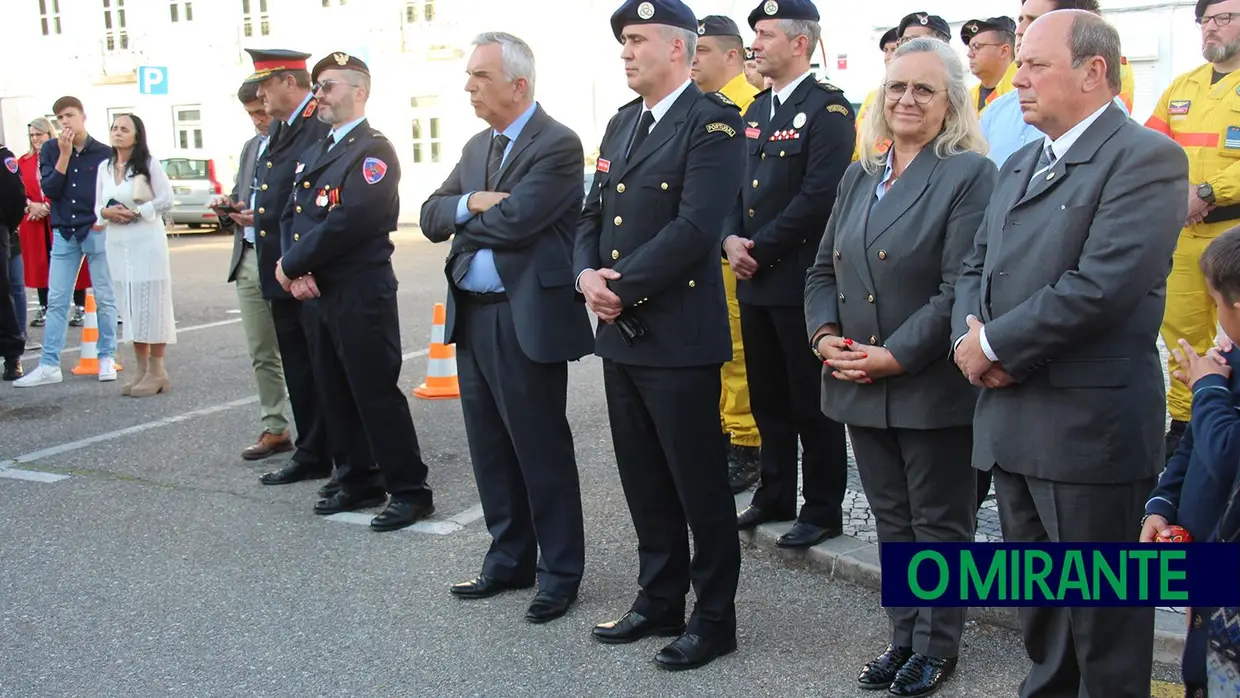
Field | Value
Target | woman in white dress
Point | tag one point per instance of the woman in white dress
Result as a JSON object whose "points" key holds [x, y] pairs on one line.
{"points": [[132, 193]]}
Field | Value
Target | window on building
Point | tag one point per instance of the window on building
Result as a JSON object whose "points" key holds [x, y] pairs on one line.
{"points": [[49, 17], [254, 17], [187, 125], [115, 35], [417, 11], [427, 136], [181, 10]]}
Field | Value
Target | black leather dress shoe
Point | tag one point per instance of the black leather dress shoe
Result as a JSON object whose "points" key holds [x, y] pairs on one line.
{"points": [[349, 501], [295, 472], [633, 626], [401, 513], [691, 651], [881, 671], [922, 675], [803, 535], [332, 486], [483, 587], [751, 516], [13, 369], [547, 606]]}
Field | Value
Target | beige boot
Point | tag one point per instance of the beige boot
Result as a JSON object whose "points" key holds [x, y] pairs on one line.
{"points": [[139, 371], [154, 382]]}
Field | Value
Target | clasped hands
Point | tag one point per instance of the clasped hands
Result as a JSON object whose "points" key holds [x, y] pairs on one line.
{"points": [[737, 250], [600, 299], [856, 362], [303, 288], [118, 214], [36, 211], [972, 361]]}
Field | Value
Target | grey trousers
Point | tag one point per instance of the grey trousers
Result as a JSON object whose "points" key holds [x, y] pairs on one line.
{"points": [[921, 487]]}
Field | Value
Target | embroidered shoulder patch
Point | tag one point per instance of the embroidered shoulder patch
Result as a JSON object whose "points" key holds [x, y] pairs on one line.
{"points": [[722, 100], [310, 107], [373, 169], [11, 164], [837, 109], [720, 126]]}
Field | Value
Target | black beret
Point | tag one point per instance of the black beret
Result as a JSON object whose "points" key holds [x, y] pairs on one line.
{"points": [[341, 61], [1203, 4], [935, 22], [672, 13], [718, 25], [974, 27], [889, 36], [783, 9], [268, 62]]}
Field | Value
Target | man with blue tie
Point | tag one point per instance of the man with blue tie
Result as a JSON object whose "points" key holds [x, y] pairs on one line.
{"points": [[511, 207]]}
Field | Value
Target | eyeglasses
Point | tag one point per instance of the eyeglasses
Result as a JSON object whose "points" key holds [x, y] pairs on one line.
{"points": [[922, 94], [977, 46], [1221, 19], [328, 85]]}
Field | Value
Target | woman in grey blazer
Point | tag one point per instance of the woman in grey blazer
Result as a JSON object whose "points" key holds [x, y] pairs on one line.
{"points": [[878, 306]]}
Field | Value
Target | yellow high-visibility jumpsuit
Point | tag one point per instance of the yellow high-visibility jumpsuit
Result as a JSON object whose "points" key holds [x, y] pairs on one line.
{"points": [[1205, 120], [865, 107], [734, 414], [1003, 87], [1126, 83]]}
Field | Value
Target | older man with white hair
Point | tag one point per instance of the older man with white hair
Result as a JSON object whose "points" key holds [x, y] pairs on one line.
{"points": [[510, 207]]}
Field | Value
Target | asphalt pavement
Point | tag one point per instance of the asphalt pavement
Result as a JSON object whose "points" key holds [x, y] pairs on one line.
{"points": [[140, 556]]}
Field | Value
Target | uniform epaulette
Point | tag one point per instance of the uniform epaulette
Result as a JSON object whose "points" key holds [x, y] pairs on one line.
{"points": [[378, 136], [721, 99], [827, 86], [629, 104], [762, 92]]}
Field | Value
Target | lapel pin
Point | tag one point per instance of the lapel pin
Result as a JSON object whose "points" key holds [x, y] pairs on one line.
{"points": [[1050, 176]]}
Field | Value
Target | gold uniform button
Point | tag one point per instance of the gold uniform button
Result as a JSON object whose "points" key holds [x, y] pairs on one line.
{"points": [[870, 298], [615, 254], [751, 213], [304, 184], [873, 340], [261, 209], [755, 184], [692, 283], [781, 153], [299, 209], [620, 187], [264, 187], [882, 254], [663, 186], [269, 164], [296, 236], [618, 220], [837, 254], [841, 298], [262, 233]]}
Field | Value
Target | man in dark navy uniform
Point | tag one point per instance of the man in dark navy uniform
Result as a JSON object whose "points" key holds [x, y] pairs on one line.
{"points": [[284, 86], [343, 210], [647, 262], [12, 210], [800, 135]]}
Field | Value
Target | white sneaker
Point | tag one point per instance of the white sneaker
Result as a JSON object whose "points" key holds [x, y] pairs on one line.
{"points": [[107, 370], [43, 375]]}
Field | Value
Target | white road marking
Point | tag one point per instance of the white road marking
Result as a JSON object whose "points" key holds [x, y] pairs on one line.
{"points": [[192, 328], [31, 475], [437, 528], [7, 466]]}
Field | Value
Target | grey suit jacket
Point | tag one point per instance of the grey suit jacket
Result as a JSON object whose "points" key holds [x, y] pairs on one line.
{"points": [[241, 192], [885, 275], [1070, 281], [530, 234]]}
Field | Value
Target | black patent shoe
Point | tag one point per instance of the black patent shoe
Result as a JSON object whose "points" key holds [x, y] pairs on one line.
{"points": [[633, 626], [690, 651], [881, 671], [922, 675]]}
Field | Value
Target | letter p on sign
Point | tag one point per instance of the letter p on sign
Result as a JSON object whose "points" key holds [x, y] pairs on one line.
{"points": [[152, 80]]}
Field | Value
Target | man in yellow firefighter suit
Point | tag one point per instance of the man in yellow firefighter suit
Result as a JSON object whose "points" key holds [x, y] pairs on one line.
{"points": [[1200, 110], [888, 44], [992, 52], [719, 66]]}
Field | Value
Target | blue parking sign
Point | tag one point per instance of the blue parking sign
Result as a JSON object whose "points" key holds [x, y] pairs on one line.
{"points": [[152, 80]]}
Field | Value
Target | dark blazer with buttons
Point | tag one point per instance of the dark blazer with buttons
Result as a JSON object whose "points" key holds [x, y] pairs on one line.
{"points": [[885, 275], [793, 165], [530, 234], [276, 170], [654, 216], [344, 207], [241, 193], [1070, 280]]}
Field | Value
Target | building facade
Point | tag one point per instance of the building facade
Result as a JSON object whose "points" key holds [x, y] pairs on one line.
{"points": [[178, 63]]}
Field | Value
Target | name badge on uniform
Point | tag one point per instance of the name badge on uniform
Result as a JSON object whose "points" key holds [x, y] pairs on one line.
{"points": [[1232, 140], [752, 132], [1179, 106], [604, 165]]}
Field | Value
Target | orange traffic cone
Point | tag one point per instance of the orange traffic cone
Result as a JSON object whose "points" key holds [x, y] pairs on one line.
{"points": [[88, 361], [441, 382]]}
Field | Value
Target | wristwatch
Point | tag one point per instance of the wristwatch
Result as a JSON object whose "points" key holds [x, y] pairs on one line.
{"points": [[1205, 192]]}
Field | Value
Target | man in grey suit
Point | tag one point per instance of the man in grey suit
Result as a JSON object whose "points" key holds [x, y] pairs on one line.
{"points": [[511, 206], [1056, 317], [256, 320]]}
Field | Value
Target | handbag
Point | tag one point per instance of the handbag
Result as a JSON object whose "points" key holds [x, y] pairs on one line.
{"points": [[142, 192]]}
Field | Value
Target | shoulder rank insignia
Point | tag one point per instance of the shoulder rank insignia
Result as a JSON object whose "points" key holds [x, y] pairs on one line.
{"points": [[310, 107], [722, 99], [11, 164], [828, 86], [720, 126], [837, 109], [373, 169]]}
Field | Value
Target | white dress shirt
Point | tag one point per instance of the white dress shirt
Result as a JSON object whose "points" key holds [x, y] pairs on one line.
{"points": [[785, 94]]}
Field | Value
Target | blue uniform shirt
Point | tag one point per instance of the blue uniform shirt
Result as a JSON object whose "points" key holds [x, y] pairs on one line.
{"points": [[1005, 129], [482, 276], [338, 134]]}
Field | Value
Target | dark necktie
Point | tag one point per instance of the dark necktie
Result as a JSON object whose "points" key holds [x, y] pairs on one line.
{"points": [[643, 130], [495, 159], [276, 132], [776, 103]]}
